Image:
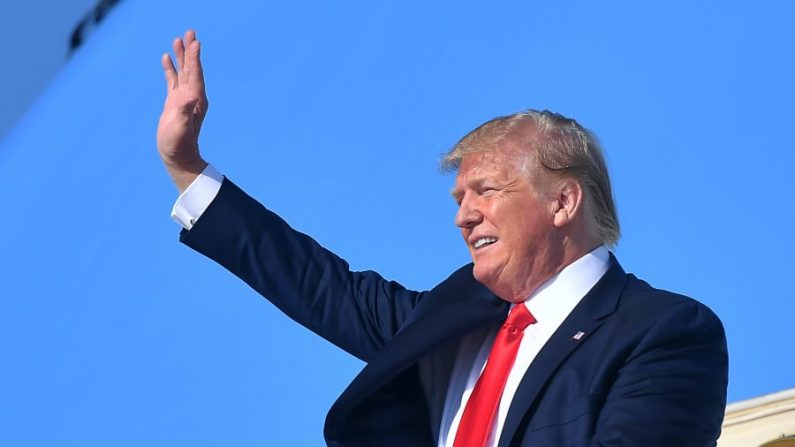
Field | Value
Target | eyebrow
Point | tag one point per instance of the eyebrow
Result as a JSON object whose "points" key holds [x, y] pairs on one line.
{"points": [[476, 182], [456, 193]]}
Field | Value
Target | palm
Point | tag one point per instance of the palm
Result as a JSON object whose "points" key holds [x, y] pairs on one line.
{"points": [[185, 106]]}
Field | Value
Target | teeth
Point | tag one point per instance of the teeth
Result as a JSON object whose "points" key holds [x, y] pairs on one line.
{"points": [[484, 240]]}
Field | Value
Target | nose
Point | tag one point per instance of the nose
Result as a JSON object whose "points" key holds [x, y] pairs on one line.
{"points": [[468, 214]]}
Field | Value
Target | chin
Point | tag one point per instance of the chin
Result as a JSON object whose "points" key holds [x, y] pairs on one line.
{"points": [[490, 277], [485, 276]]}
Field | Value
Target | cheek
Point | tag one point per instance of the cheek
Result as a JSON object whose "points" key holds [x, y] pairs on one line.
{"points": [[465, 236], [528, 231]]}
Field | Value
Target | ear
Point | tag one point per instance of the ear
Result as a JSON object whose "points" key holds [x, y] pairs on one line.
{"points": [[568, 202]]}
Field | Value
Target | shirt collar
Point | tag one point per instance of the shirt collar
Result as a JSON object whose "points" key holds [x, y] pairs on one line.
{"points": [[555, 299]]}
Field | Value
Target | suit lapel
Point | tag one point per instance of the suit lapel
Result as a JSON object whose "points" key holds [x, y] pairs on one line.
{"points": [[586, 317], [450, 314]]}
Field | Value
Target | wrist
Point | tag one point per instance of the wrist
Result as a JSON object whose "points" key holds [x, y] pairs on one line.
{"points": [[184, 172]]}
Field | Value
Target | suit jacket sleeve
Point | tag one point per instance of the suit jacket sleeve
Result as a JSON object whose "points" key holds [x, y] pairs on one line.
{"points": [[672, 387], [357, 311]]}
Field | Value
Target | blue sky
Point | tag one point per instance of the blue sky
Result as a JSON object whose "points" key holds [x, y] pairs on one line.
{"points": [[34, 42], [335, 116]]}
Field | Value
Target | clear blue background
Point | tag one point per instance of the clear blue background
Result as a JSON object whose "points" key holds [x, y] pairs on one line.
{"points": [[112, 333], [34, 45]]}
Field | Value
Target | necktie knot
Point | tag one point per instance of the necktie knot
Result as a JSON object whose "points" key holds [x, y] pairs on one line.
{"points": [[520, 317], [478, 417]]}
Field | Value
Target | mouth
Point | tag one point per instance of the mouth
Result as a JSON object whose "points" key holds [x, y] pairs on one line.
{"points": [[484, 241]]}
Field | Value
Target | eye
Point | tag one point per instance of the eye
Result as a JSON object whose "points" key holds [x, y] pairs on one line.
{"points": [[487, 190]]}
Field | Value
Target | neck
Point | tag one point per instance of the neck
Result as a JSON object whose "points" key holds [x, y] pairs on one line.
{"points": [[569, 250]]}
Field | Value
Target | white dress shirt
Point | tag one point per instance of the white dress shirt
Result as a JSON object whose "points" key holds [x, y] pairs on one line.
{"points": [[550, 305], [192, 203]]}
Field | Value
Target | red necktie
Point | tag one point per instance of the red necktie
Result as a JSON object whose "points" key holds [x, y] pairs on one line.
{"points": [[476, 422]]}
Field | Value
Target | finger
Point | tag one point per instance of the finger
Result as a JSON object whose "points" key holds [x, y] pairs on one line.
{"points": [[179, 52], [196, 71], [190, 36], [187, 42], [168, 69]]}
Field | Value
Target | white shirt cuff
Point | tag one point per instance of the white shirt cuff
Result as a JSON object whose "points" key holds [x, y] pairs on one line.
{"points": [[190, 205]]}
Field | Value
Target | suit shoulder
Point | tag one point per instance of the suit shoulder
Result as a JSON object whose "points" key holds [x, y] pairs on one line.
{"points": [[640, 296], [461, 279]]}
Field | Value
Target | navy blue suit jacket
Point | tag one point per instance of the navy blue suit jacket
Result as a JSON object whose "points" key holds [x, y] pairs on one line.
{"points": [[651, 369]]}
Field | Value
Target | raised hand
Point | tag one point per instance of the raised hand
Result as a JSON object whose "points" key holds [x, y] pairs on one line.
{"points": [[183, 113]]}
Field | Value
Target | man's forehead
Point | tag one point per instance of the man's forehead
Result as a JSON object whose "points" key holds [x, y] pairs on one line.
{"points": [[499, 160], [478, 168]]}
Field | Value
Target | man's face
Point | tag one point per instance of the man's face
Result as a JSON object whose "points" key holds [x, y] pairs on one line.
{"points": [[506, 222]]}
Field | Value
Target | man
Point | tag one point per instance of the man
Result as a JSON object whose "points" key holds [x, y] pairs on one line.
{"points": [[542, 341]]}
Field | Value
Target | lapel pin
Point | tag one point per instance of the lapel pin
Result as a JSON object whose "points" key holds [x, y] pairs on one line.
{"points": [[578, 336]]}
